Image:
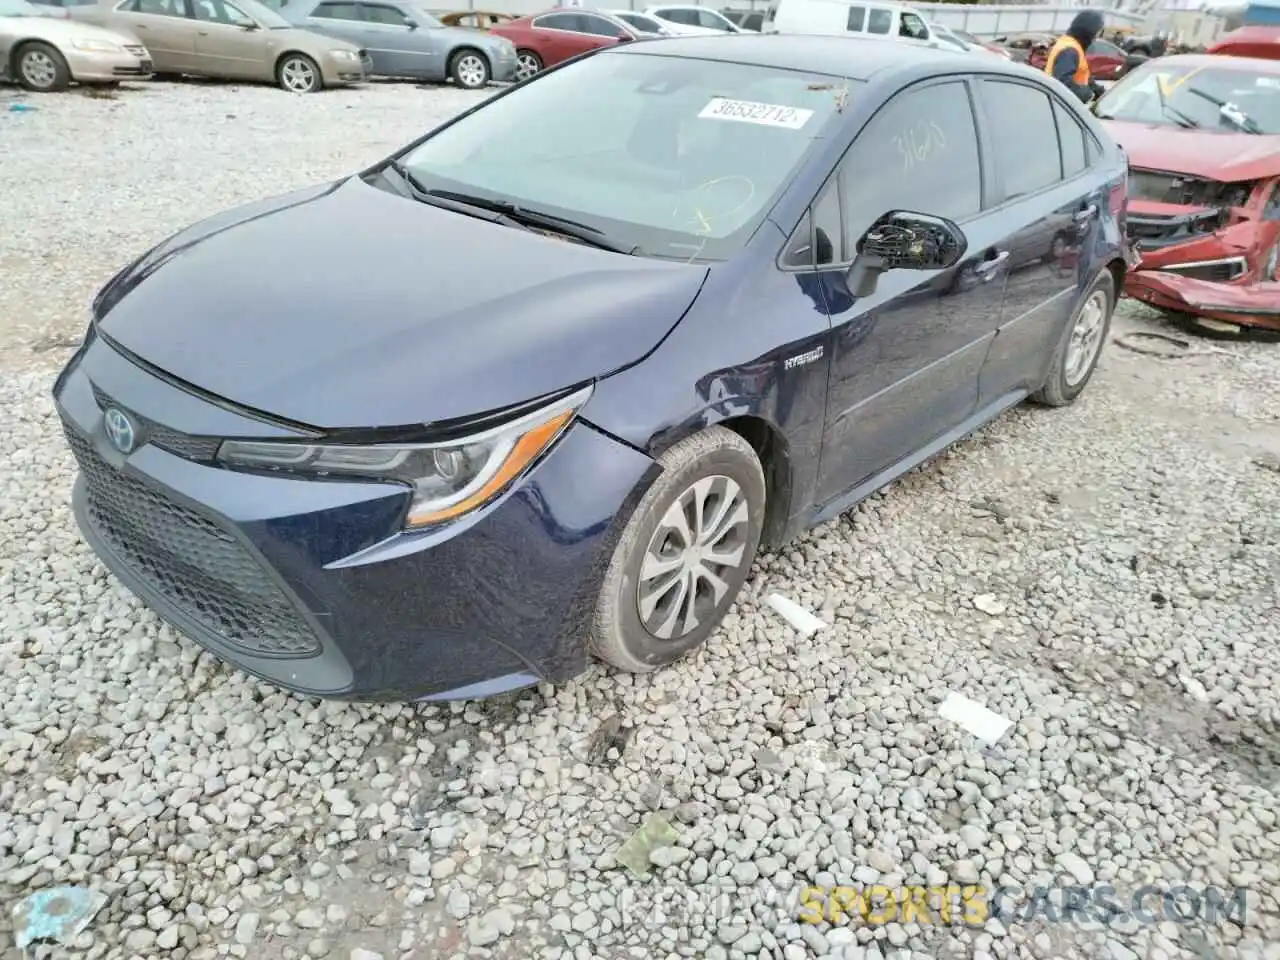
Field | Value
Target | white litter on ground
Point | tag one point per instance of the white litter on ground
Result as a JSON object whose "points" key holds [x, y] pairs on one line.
{"points": [[804, 622], [984, 724]]}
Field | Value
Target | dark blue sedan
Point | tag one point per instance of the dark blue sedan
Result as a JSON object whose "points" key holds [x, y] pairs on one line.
{"points": [[539, 386]]}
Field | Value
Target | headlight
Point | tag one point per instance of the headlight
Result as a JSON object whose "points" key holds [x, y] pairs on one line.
{"points": [[448, 479], [344, 55], [96, 46]]}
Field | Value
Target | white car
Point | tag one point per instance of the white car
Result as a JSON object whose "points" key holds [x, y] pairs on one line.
{"points": [[891, 21], [650, 26], [692, 20]]}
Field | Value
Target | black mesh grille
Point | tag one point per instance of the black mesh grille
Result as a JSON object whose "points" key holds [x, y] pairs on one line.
{"points": [[187, 445], [191, 561], [1186, 191]]}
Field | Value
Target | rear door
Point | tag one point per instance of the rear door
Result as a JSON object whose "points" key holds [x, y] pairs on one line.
{"points": [[1051, 202], [338, 18], [226, 49], [905, 360], [557, 37], [165, 28]]}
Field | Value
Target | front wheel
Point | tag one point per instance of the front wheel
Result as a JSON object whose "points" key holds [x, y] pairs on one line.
{"points": [[684, 555], [298, 73], [469, 70], [527, 64], [40, 68], [1077, 352]]}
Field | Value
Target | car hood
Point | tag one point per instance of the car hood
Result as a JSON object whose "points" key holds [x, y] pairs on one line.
{"points": [[1199, 153], [55, 29], [345, 306]]}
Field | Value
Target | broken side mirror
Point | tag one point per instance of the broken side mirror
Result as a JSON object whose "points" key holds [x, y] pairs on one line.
{"points": [[902, 240]]}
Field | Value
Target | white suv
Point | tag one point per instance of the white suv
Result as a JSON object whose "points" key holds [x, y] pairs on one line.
{"points": [[689, 20], [836, 18]]}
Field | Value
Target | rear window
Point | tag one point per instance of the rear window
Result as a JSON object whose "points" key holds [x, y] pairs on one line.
{"points": [[683, 158]]}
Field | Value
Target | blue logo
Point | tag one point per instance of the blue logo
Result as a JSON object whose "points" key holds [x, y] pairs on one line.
{"points": [[120, 430]]}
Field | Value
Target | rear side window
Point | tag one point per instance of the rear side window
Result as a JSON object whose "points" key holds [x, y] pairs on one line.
{"points": [[558, 21], [880, 21], [857, 19], [376, 13], [1072, 138], [1023, 135], [919, 153], [337, 11], [687, 17], [597, 26], [708, 19]]}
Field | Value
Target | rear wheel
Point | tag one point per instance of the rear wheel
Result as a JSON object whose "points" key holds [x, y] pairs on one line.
{"points": [[684, 555], [298, 73], [527, 64], [469, 69], [40, 68], [1077, 352]]}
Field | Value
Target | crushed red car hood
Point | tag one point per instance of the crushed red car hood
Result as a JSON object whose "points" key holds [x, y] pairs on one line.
{"points": [[1199, 153]]}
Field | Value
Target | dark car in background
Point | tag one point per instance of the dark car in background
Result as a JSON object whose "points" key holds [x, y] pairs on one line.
{"points": [[554, 36], [319, 436], [403, 39]]}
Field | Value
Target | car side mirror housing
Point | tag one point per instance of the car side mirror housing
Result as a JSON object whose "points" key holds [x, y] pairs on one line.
{"points": [[411, 24], [625, 38], [903, 240], [244, 23]]}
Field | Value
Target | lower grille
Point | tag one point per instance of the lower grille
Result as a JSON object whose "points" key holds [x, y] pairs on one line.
{"points": [[191, 561], [1217, 271]]}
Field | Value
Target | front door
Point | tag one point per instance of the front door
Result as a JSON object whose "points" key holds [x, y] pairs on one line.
{"points": [[906, 359], [1052, 205], [397, 50], [165, 29], [224, 48]]}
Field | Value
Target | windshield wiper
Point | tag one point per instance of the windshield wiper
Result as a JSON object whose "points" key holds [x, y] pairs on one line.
{"points": [[537, 218], [420, 193], [1230, 111]]}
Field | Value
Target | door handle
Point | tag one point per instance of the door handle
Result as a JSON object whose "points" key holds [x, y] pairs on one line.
{"points": [[140, 26], [987, 268], [1087, 214]]}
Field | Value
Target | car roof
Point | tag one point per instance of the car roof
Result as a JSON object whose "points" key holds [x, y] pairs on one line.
{"points": [[1220, 62], [851, 57]]}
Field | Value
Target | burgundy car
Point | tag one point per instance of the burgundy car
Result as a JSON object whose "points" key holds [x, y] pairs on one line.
{"points": [[548, 38], [1106, 60]]}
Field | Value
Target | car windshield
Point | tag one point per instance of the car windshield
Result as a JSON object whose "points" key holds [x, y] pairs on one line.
{"points": [[423, 17], [18, 8], [678, 158], [1209, 98], [262, 13]]}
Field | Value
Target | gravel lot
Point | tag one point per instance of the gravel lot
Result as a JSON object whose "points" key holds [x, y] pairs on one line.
{"points": [[1106, 576]]}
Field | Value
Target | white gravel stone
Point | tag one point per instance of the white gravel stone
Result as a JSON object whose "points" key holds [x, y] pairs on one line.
{"points": [[1106, 576]]}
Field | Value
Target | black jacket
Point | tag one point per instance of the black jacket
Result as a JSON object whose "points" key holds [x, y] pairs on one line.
{"points": [[1085, 28]]}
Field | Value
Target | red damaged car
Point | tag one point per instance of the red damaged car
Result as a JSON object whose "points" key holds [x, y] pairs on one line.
{"points": [[548, 38], [1203, 137]]}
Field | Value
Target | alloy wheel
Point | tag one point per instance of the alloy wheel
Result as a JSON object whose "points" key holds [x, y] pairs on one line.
{"points": [[298, 76], [1086, 338], [471, 71], [701, 537], [526, 66], [38, 69]]}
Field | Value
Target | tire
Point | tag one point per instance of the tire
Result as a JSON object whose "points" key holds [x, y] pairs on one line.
{"points": [[527, 64], [298, 73], [1070, 371], [40, 68], [707, 466], [469, 69]]}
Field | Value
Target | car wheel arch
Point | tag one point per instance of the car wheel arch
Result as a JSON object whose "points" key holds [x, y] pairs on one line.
{"points": [[771, 447]]}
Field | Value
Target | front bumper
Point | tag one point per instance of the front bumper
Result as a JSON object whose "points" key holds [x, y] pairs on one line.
{"points": [[90, 67], [504, 69], [1191, 265], [311, 584]]}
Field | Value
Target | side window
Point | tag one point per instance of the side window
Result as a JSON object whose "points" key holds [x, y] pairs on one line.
{"points": [[857, 21], [708, 19], [1028, 149], [919, 153], [218, 11], [912, 26], [752, 21], [598, 26], [880, 21], [156, 8], [389, 16], [337, 11], [1072, 138], [557, 21], [687, 17]]}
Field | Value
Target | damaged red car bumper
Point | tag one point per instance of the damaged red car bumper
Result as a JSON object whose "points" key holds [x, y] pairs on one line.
{"points": [[1206, 262]]}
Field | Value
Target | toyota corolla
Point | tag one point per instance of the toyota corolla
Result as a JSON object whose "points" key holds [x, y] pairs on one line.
{"points": [[539, 386]]}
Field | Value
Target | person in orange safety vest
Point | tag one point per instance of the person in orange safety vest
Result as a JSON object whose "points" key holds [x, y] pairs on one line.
{"points": [[1067, 61]]}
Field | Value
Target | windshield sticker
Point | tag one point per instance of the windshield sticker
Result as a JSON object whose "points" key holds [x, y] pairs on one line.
{"points": [[765, 114]]}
